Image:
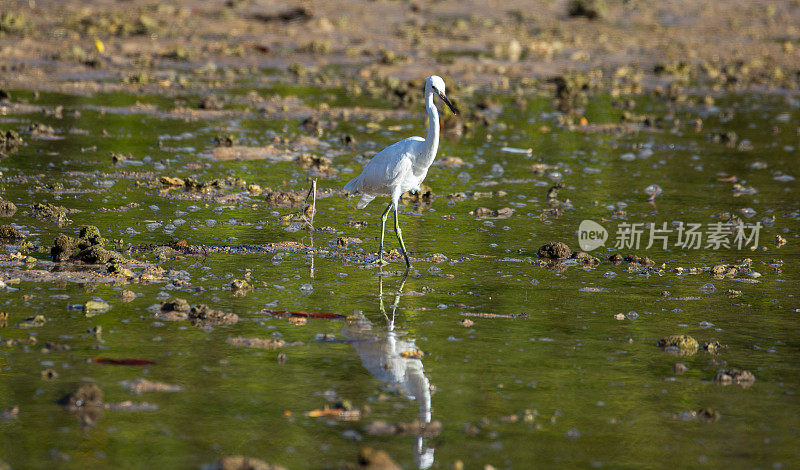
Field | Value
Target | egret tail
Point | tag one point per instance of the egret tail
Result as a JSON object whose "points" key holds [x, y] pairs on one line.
{"points": [[353, 185], [365, 199]]}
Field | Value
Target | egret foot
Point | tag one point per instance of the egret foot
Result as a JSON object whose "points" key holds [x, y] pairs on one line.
{"points": [[380, 262]]}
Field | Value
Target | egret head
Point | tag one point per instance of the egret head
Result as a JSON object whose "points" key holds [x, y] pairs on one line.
{"points": [[435, 84]]}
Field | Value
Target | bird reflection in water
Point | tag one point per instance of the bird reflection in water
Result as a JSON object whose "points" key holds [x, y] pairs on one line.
{"points": [[380, 351]]}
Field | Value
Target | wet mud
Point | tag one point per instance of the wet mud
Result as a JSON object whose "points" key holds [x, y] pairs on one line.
{"points": [[178, 259]]}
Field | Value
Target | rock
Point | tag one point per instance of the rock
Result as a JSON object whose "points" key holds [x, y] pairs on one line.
{"points": [[679, 368], [684, 345], [96, 254], [373, 459], [33, 322], [579, 255], [571, 91], [413, 428], [63, 247], [176, 305], [258, 343], [85, 403], [115, 267], [91, 234], [10, 413], [344, 242], [7, 208], [203, 315], [312, 125], [175, 309], [706, 415], [727, 138], [388, 57], [554, 250], [119, 157], [9, 233], [210, 102], [140, 386], [347, 140], [511, 50], [284, 199], [39, 130], [51, 346], [171, 181], [9, 142], [585, 258], [152, 274], [424, 196], [292, 14], [319, 164], [172, 315], [451, 162], [726, 270], [640, 260], [85, 395], [50, 213], [552, 193], [225, 140], [94, 307], [437, 258], [482, 212], [238, 462], [240, 284], [589, 9], [503, 213], [381, 428], [240, 287], [745, 378]]}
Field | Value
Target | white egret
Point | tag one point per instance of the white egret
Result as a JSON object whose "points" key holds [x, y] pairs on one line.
{"points": [[401, 166]]}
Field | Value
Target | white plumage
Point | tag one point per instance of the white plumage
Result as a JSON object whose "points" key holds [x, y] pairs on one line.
{"points": [[402, 166], [388, 172]]}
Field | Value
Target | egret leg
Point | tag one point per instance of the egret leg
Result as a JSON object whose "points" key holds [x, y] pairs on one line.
{"points": [[384, 216], [380, 297], [400, 237], [399, 293]]}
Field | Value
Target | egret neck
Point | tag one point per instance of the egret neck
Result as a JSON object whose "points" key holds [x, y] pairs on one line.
{"points": [[422, 164]]}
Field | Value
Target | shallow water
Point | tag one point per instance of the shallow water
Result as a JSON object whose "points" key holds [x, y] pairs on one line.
{"points": [[546, 373]]}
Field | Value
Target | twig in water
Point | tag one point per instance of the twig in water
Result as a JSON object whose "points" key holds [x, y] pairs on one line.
{"points": [[311, 209]]}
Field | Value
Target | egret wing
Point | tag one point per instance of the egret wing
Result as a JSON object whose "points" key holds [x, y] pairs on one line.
{"points": [[388, 167]]}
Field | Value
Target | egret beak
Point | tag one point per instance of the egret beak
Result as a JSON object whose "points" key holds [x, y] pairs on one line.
{"points": [[446, 101]]}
